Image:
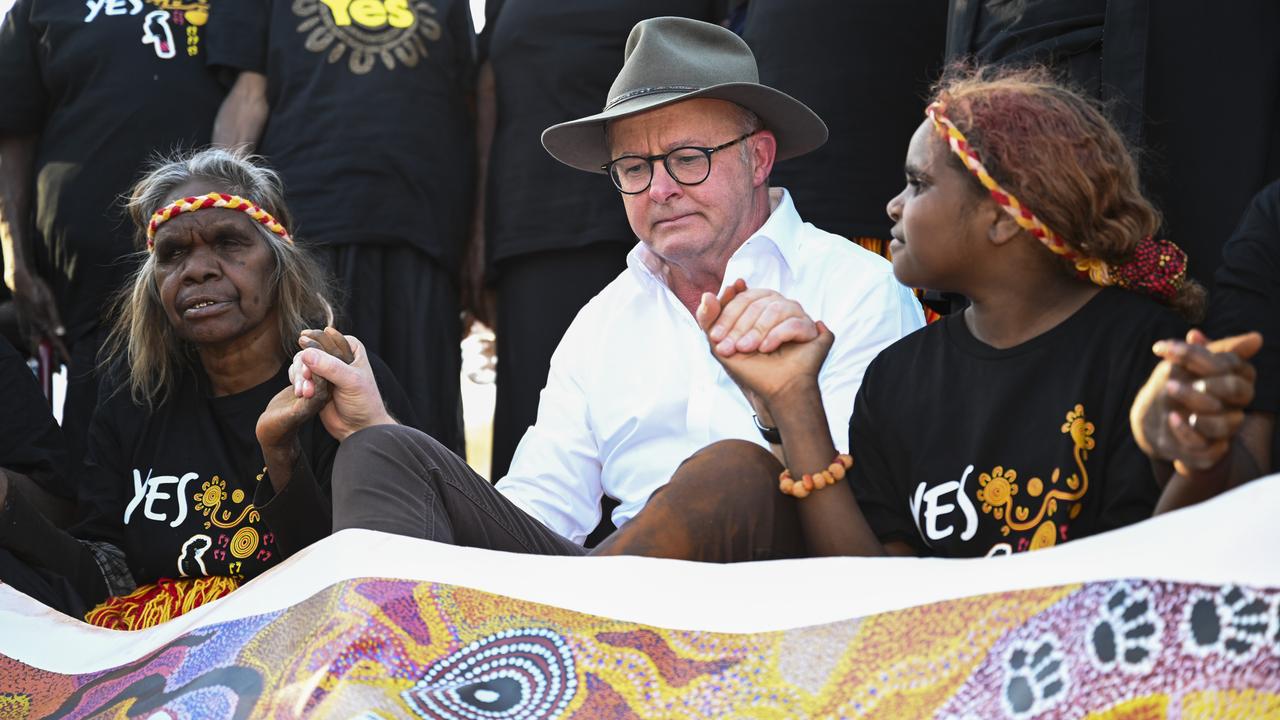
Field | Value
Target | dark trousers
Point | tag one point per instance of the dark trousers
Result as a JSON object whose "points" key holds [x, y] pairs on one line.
{"points": [[721, 505], [404, 308], [41, 559], [538, 295]]}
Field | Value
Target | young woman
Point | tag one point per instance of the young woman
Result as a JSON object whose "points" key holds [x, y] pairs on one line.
{"points": [[1004, 427]]}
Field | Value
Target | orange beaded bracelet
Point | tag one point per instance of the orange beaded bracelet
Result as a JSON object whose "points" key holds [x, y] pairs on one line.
{"points": [[809, 482]]}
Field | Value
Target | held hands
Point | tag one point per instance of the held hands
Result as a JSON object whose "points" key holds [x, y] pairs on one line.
{"points": [[765, 342], [355, 402], [288, 410], [1193, 403]]}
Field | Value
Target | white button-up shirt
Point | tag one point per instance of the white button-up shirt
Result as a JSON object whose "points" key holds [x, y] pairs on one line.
{"points": [[633, 389]]}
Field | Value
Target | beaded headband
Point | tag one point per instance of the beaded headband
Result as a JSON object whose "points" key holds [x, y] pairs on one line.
{"points": [[1157, 268], [213, 200]]}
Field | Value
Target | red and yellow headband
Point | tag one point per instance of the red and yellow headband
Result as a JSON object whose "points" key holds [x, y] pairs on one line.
{"points": [[1158, 267], [213, 200]]}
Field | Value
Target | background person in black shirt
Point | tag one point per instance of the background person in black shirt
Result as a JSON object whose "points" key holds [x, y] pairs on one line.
{"points": [[865, 67], [201, 464], [91, 89], [1005, 427], [1247, 297], [549, 236], [369, 126]]}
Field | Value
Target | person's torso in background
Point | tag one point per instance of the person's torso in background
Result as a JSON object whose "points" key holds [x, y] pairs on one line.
{"points": [[369, 124], [122, 80], [864, 66]]}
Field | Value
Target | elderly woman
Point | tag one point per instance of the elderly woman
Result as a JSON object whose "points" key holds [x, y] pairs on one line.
{"points": [[204, 468]]}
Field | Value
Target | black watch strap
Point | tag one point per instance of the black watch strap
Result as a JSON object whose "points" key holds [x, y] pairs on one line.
{"points": [[770, 434]]}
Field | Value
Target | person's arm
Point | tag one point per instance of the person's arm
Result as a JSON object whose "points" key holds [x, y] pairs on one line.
{"points": [[783, 380], [475, 299], [556, 474], [37, 310], [243, 113]]}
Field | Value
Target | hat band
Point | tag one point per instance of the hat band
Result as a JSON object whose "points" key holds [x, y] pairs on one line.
{"points": [[641, 92]]}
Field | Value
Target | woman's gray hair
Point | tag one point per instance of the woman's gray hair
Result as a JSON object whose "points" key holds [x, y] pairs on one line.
{"points": [[141, 334]]}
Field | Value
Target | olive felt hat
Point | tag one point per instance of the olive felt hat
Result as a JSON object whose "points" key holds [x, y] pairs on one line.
{"points": [[670, 59]]}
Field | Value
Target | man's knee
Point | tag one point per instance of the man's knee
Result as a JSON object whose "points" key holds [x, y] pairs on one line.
{"points": [[729, 466], [399, 442]]}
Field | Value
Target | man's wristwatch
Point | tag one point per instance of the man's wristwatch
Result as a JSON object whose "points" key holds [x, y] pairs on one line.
{"points": [[770, 434]]}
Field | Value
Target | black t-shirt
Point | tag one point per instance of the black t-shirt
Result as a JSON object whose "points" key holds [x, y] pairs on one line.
{"points": [[1247, 296], [552, 62], [30, 441], [865, 68], [369, 125], [964, 450], [182, 491], [105, 84]]}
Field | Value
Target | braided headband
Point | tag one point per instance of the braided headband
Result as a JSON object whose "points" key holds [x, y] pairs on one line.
{"points": [[1157, 268], [213, 200]]}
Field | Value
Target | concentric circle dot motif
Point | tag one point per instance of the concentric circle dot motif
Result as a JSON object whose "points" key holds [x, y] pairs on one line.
{"points": [[523, 673]]}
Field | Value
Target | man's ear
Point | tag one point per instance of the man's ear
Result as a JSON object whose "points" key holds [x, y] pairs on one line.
{"points": [[1003, 227], [762, 149]]}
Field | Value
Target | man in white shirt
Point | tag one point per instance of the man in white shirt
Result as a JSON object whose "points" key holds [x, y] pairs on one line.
{"points": [[688, 137]]}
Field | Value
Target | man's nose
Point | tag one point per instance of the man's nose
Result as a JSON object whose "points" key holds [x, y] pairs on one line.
{"points": [[662, 187]]}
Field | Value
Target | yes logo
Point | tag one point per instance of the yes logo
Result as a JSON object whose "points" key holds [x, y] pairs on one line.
{"points": [[371, 13], [363, 34], [935, 507]]}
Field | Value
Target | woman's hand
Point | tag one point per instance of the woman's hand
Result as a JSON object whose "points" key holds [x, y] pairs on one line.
{"points": [[1193, 403], [355, 401], [278, 425], [765, 342]]}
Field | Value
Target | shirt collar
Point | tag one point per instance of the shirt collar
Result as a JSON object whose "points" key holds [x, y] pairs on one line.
{"points": [[779, 232]]}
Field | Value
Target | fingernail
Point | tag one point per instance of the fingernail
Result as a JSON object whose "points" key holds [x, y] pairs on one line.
{"points": [[725, 347], [717, 333], [1173, 386], [1160, 347], [1201, 386]]}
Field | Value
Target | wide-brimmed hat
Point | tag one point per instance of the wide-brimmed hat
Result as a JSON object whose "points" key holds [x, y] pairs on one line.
{"points": [[670, 59]]}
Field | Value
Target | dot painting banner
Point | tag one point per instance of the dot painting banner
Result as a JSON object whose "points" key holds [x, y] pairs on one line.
{"points": [[1178, 617]]}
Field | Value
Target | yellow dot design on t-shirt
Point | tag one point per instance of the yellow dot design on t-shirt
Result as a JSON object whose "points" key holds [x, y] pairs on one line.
{"points": [[244, 542], [998, 489], [213, 493]]}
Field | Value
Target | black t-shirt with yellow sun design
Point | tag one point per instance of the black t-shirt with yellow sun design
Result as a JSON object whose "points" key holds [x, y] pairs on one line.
{"points": [[962, 450], [369, 123], [181, 489]]}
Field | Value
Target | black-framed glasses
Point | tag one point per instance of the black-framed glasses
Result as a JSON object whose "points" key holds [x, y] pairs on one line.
{"points": [[690, 165]]}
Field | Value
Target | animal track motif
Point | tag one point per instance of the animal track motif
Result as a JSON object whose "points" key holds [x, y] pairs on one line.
{"points": [[1234, 622], [1128, 631], [1035, 677]]}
